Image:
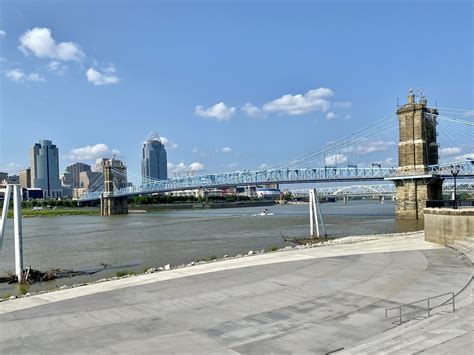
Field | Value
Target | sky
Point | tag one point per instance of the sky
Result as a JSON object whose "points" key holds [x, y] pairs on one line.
{"points": [[228, 85]]}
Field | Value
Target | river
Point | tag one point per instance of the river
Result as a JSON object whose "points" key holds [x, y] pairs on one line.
{"points": [[139, 241]]}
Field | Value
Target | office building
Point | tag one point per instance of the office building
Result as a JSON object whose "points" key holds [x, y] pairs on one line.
{"points": [[154, 160], [25, 178], [71, 174], [3, 177], [44, 165]]}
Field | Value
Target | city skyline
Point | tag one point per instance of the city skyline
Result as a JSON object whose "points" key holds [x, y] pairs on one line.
{"points": [[269, 98]]}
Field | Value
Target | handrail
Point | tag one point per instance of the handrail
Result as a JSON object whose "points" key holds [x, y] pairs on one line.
{"points": [[461, 291], [450, 300], [428, 309]]}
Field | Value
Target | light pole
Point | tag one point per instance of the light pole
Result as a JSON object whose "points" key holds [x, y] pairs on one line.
{"points": [[454, 171]]}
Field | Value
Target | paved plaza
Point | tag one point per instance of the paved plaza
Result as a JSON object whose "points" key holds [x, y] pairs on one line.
{"points": [[314, 300]]}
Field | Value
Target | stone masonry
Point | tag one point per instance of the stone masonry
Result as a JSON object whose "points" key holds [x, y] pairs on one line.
{"points": [[110, 204], [417, 150]]}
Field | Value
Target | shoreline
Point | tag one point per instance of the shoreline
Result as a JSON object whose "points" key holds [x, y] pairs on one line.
{"points": [[92, 211], [214, 260]]}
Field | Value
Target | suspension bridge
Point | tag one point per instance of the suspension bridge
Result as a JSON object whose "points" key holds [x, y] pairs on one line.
{"points": [[419, 172]]}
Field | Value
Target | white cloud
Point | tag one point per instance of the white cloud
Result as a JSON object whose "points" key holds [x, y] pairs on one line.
{"points": [[196, 166], [232, 165], [219, 111], [331, 115], [40, 42], [110, 69], [202, 154], [92, 152], [263, 166], [300, 104], [469, 113], [57, 67], [251, 110], [18, 76], [34, 77], [344, 104], [449, 151], [11, 168], [168, 144], [336, 159], [226, 150], [97, 78], [465, 156], [184, 168], [15, 75], [2, 33], [369, 147]]}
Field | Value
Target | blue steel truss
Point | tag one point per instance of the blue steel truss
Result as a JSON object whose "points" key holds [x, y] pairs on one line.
{"points": [[282, 176]]}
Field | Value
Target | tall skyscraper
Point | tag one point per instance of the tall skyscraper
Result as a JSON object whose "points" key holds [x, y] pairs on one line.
{"points": [[73, 171], [154, 161], [44, 165]]}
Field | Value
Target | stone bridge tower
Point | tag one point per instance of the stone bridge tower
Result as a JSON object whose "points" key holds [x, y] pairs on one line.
{"points": [[110, 204], [417, 150]]}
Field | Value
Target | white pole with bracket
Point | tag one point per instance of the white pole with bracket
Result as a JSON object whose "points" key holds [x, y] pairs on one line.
{"points": [[17, 227]]}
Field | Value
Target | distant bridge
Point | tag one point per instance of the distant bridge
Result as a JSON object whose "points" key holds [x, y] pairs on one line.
{"points": [[376, 190]]}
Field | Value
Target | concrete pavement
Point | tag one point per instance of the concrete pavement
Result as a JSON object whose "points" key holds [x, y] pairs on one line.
{"points": [[309, 300]]}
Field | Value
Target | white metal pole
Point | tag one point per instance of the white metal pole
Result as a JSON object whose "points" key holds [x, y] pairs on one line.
{"points": [[18, 232], [315, 213], [323, 227], [311, 225], [6, 203]]}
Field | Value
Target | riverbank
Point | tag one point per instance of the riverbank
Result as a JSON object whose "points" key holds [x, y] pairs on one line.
{"points": [[58, 211], [91, 211], [211, 259], [200, 205]]}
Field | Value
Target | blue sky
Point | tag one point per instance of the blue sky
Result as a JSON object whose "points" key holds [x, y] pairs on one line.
{"points": [[230, 85]]}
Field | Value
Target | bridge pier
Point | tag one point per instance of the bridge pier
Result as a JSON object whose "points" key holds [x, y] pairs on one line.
{"points": [[110, 204], [417, 150], [412, 195]]}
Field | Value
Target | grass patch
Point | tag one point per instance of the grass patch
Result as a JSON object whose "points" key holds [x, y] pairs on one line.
{"points": [[125, 273], [24, 289], [209, 258], [27, 212], [271, 249], [6, 296]]}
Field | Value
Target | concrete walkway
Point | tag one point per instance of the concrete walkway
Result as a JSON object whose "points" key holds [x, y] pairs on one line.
{"points": [[309, 300]]}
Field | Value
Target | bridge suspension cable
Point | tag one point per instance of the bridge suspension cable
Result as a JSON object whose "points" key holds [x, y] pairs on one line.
{"points": [[346, 144]]}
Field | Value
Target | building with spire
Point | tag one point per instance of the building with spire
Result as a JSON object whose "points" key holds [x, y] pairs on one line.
{"points": [[154, 160]]}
